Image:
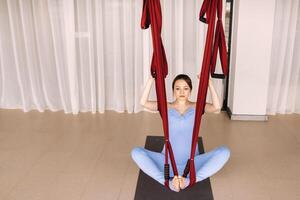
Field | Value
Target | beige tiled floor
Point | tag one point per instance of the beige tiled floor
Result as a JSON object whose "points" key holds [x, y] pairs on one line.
{"points": [[54, 156]]}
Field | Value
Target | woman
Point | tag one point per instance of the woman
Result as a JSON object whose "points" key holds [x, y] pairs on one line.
{"points": [[181, 113]]}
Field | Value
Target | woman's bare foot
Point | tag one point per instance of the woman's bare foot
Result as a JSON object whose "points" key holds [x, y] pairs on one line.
{"points": [[182, 182], [175, 183]]}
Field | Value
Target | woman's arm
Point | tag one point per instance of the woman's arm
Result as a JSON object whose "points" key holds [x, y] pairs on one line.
{"points": [[215, 107], [151, 105]]}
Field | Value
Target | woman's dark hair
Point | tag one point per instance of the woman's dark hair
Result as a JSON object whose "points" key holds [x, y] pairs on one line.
{"points": [[184, 77]]}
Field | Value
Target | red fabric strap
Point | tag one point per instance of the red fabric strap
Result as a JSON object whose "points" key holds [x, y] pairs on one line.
{"points": [[159, 69], [208, 66]]}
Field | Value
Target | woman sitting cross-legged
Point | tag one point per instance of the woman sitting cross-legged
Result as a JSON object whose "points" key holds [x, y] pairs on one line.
{"points": [[181, 114]]}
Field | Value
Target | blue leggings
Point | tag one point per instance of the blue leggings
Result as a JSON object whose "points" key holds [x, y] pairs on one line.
{"points": [[207, 164]]}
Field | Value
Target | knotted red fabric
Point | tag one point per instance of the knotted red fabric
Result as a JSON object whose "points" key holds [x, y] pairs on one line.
{"points": [[159, 69]]}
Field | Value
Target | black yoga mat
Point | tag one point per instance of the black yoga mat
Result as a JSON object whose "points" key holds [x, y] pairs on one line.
{"points": [[147, 188]]}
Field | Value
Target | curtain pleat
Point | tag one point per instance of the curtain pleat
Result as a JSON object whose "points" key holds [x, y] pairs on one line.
{"points": [[99, 51], [284, 84], [18, 53], [59, 65]]}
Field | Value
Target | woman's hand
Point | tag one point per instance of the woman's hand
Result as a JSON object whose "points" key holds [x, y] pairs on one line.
{"points": [[210, 83], [209, 80]]}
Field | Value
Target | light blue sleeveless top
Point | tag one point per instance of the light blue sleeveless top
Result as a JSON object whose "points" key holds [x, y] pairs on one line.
{"points": [[180, 134]]}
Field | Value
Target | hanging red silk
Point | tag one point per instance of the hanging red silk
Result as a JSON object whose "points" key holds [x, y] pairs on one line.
{"points": [[159, 69]]}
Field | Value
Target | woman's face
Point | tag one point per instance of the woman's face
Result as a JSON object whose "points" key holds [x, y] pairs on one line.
{"points": [[182, 90]]}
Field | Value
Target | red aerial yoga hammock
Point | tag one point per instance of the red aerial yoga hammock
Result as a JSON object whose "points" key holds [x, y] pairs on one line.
{"points": [[159, 70]]}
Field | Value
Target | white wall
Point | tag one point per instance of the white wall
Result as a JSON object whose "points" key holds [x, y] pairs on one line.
{"points": [[250, 58]]}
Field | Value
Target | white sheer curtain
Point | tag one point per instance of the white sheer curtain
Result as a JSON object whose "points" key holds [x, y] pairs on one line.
{"points": [[284, 85], [91, 55]]}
